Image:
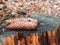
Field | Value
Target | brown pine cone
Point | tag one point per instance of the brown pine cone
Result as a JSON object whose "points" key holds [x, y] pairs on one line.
{"points": [[22, 23]]}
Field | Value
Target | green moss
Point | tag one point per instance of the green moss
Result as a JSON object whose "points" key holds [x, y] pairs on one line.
{"points": [[49, 19]]}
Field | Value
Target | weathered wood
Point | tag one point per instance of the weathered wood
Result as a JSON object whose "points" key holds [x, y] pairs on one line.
{"points": [[22, 42], [32, 39], [45, 38], [22, 39], [9, 38], [56, 35], [28, 39]]}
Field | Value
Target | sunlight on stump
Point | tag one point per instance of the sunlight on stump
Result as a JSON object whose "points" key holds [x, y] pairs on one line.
{"points": [[35, 39], [32, 39]]}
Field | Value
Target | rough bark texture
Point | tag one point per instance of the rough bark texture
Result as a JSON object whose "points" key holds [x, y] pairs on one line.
{"points": [[9, 38], [46, 38]]}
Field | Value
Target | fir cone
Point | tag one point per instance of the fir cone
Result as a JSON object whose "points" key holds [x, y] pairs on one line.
{"points": [[22, 23]]}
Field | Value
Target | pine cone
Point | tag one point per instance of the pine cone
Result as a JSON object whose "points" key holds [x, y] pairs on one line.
{"points": [[22, 23]]}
